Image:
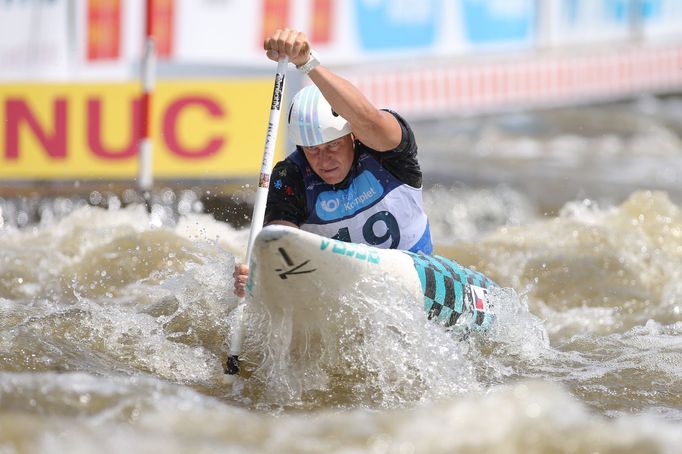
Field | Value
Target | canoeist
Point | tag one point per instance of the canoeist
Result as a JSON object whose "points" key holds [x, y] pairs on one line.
{"points": [[354, 175]]}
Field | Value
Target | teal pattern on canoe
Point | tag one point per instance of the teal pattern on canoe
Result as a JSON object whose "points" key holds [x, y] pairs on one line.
{"points": [[452, 290]]}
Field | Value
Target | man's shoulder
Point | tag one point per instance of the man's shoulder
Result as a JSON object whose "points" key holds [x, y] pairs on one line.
{"points": [[399, 117], [287, 169], [402, 161]]}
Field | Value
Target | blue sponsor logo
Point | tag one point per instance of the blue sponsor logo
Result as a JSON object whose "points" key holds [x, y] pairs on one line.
{"points": [[576, 11], [363, 192], [611, 11], [653, 9], [397, 24], [498, 20]]}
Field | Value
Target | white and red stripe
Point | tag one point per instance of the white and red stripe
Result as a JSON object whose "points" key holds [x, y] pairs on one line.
{"points": [[524, 81], [145, 177]]}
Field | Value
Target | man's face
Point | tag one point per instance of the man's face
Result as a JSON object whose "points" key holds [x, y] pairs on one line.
{"points": [[332, 160]]}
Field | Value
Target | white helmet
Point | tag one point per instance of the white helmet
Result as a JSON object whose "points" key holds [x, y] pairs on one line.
{"points": [[312, 121]]}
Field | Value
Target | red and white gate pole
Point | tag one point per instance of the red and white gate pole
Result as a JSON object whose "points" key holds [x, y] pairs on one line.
{"points": [[145, 176]]}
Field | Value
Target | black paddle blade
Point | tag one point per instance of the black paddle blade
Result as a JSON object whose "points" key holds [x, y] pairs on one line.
{"points": [[232, 365]]}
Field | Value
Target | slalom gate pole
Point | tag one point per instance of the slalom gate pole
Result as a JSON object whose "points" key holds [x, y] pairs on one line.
{"points": [[232, 365], [145, 177]]}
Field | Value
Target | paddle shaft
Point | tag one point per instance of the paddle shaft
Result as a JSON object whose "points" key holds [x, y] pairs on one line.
{"points": [[232, 366]]}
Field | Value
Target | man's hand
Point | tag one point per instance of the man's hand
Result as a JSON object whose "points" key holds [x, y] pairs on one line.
{"points": [[287, 42], [241, 275]]}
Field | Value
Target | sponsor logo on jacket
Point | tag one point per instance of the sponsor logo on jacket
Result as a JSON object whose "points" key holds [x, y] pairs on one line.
{"points": [[362, 192]]}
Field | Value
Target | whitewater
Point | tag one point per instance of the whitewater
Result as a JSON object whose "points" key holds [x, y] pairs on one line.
{"points": [[114, 321]]}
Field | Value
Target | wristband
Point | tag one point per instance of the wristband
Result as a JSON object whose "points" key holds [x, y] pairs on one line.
{"points": [[312, 63]]}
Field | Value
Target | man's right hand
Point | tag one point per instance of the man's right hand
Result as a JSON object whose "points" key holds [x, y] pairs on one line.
{"points": [[289, 43], [241, 275]]}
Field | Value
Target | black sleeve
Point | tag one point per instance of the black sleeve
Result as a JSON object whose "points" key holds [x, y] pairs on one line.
{"points": [[401, 161], [286, 196]]}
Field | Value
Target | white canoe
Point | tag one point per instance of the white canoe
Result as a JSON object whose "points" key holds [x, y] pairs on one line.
{"points": [[294, 270]]}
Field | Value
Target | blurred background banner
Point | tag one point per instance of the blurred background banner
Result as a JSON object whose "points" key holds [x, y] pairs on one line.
{"points": [[201, 129], [47, 39], [34, 40], [64, 61]]}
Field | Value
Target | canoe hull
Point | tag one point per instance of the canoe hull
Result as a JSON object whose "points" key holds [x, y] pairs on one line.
{"points": [[294, 270]]}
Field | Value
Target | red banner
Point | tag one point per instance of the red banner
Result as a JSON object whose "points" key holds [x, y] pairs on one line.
{"points": [[275, 15], [322, 21], [104, 29], [162, 26]]}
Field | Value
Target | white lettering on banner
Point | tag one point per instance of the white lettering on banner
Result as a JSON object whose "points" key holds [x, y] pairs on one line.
{"points": [[349, 206]]}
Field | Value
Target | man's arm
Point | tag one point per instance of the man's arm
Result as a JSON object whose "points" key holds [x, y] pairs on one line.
{"points": [[375, 128]]}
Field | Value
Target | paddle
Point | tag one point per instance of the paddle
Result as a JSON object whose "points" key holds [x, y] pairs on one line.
{"points": [[232, 365]]}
